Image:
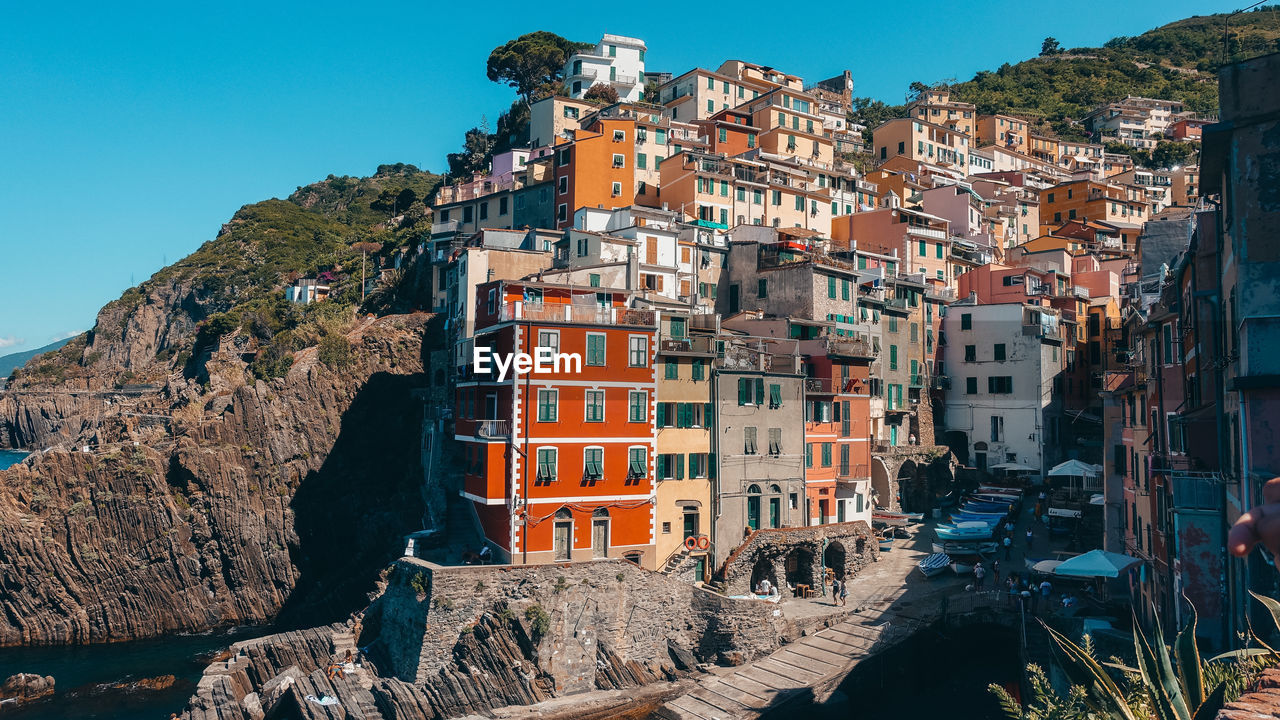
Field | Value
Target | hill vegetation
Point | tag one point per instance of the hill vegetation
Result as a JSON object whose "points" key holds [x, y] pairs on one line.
{"points": [[1175, 61], [236, 281]]}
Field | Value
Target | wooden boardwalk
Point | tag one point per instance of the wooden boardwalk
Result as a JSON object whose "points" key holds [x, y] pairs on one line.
{"points": [[812, 665]]}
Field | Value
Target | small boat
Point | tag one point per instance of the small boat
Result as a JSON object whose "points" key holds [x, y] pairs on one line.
{"points": [[961, 516], [945, 533], [1000, 490], [963, 547], [887, 515], [886, 544], [962, 567], [934, 564], [984, 513], [986, 507], [888, 521]]}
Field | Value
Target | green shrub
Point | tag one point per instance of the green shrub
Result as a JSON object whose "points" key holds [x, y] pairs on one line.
{"points": [[539, 621], [419, 584], [335, 352]]}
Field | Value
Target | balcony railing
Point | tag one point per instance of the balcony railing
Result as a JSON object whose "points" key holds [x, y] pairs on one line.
{"points": [[941, 382], [849, 347], [1041, 331], [820, 386], [492, 429], [584, 314], [926, 232], [700, 345]]}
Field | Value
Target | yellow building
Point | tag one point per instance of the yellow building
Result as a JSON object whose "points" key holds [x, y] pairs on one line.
{"points": [[921, 141], [936, 106], [1004, 131], [685, 466], [1043, 147]]}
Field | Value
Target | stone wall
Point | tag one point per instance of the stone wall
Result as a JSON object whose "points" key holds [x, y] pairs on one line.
{"points": [[766, 551], [609, 607]]}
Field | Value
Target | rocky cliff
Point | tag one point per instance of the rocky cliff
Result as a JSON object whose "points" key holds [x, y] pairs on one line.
{"points": [[212, 500]]}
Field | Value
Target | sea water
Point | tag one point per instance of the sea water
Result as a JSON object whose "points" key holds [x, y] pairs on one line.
{"points": [[9, 457]]}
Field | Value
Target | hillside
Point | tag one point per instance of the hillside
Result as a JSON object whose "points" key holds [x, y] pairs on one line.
{"points": [[1176, 61], [18, 359], [236, 281]]}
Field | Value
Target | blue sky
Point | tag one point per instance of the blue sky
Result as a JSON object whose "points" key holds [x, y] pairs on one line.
{"points": [[128, 135]]}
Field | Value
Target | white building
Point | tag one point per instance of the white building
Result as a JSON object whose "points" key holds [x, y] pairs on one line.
{"points": [[1002, 360], [616, 60]]}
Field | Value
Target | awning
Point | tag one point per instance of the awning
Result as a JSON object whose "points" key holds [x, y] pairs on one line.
{"points": [[1064, 512], [1096, 563], [1074, 468], [1015, 466]]}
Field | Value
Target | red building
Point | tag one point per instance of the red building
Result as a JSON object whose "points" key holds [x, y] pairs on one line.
{"points": [[838, 430], [559, 460]]}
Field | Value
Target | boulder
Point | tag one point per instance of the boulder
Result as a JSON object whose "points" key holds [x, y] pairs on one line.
{"points": [[25, 687]]}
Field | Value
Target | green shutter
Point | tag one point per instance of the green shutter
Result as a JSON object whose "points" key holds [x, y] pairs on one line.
{"points": [[679, 466], [759, 391], [711, 465], [775, 395], [743, 391], [707, 415], [662, 414]]}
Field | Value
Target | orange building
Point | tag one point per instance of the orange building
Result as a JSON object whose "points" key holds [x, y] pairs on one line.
{"points": [[730, 132], [838, 430], [1089, 200], [559, 465], [596, 168]]}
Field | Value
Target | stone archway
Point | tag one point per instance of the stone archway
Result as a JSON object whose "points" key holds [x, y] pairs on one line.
{"points": [[834, 558], [799, 566], [763, 569], [883, 488], [913, 492]]}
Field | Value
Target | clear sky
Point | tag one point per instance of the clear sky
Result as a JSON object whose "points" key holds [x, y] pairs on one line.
{"points": [[129, 132]]}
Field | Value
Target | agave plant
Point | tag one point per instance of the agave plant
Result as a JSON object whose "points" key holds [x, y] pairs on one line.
{"points": [[1167, 686]]}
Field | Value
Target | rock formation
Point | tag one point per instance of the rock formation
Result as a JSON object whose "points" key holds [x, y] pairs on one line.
{"points": [[25, 687], [205, 504]]}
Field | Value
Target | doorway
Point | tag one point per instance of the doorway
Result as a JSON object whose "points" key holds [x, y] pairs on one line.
{"points": [[563, 540], [600, 533]]}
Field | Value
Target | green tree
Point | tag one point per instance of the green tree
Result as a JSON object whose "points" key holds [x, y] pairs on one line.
{"points": [[477, 151], [530, 62], [601, 93], [1169, 153], [1050, 46]]}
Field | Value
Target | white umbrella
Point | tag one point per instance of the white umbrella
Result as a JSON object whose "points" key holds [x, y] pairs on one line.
{"points": [[1096, 563], [1014, 466], [1046, 566]]}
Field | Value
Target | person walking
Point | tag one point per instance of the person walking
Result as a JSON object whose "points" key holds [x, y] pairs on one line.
{"points": [[1035, 599], [1008, 528], [1008, 549], [995, 573], [844, 592], [1031, 538], [979, 575], [1045, 591]]}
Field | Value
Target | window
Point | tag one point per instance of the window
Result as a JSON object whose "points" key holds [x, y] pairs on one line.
{"points": [[671, 369], [546, 465], [571, 112], [966, 321], [844, 289], [491, 303], [775, 395], [698, 367], [562, 212], [697, 465], [564, 157], [775, 441], [970, 353], [616, 189], [749, 440], [1000, 384], [893, 357], [547, 403], [637, 463], [549, 339], [593, 463], [938, 250], [971, 386], [639, 352], [997, 428], [595, 406], [1000, 352], [594, 279], [923, 245], [638, 410], [642, 161], [826, 454], [502, 206], [724, 134], [831, 287], [762, 290], [808, 455]]}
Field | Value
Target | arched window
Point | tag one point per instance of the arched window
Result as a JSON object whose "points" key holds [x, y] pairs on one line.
{"points": [[775, 489], [564, 514], [600, 513], [753, 490]]}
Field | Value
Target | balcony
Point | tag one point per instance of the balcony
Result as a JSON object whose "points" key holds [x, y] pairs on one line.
{"points": [[686, 346], [493, 429], [1041, 331], [817, 386], [941, 382], [849, 347], [1197, 490], [917, 380], [582, 314], [928, 232]]}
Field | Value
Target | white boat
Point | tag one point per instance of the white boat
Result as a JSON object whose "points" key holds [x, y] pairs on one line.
{"points": [[960, 547], [934, 564], [962, 568]]}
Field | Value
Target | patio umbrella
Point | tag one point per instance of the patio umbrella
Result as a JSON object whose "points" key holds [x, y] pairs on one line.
{"points": [[1013, 466], [1046, 566], [1095, 564]]}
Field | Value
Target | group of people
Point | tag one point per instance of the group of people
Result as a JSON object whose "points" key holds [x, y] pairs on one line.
{"points": [[1027, 593], [839, 588]]}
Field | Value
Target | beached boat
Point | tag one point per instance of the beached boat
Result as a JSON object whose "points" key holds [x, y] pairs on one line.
{"points": [[961, 547], [960, 516], [1000, 490], [968, 533], [890, 515], [886, 544], [960, 567], [934, 564]]}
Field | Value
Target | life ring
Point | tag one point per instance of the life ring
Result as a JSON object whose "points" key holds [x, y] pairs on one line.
{"points": [[690, 543], [703, 543]]}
